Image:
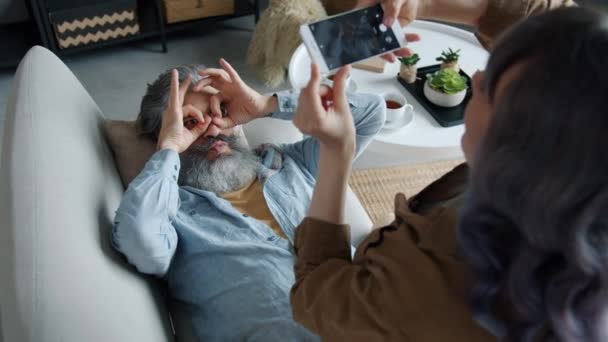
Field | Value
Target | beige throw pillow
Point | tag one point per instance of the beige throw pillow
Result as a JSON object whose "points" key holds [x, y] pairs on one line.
{"points": [[131, 151]]}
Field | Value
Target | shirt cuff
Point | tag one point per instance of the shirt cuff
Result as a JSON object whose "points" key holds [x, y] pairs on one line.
{"points": [[288, 102], [166, 162], [318, 241]]}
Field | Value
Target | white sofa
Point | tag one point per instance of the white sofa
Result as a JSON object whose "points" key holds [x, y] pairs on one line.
{"points": [[59, 278]]}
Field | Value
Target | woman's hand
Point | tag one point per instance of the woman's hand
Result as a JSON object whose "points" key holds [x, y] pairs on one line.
{"points": [[325, 113], [240, 102], [173, 133], [405, 11]]}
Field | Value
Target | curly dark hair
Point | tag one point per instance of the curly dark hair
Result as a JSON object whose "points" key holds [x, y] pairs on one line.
{"points": [[535, 229]]}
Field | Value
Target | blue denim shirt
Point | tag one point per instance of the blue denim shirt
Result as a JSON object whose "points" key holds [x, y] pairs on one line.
{"points": [[232, 271]]}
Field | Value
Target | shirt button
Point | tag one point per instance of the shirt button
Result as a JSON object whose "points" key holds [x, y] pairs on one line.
{"points": [[245, 215], [174, 178], [175, 167], [192, 212], [272, 238]]}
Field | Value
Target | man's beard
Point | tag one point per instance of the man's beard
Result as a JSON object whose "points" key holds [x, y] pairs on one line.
{"points": [[227, 173]]}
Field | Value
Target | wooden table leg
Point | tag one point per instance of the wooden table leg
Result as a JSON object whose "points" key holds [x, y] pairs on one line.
{"points": [[161, 25]]}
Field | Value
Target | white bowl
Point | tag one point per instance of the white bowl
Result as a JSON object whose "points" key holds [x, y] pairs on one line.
{"points": [[441, 99]]}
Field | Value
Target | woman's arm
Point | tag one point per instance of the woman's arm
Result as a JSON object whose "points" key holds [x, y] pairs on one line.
{"points": [[328, 118], [490, 17], [466, 12], [328, 286]]}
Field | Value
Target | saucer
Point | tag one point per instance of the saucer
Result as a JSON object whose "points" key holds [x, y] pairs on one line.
{"points": [[391, 126]]}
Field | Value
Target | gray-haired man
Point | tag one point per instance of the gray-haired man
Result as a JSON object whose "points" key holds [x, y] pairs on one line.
{"points": [[215, 219]]}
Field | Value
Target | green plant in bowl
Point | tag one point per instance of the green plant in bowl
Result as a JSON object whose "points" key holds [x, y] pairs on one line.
{"points": [[447, 81], [445, 88]]}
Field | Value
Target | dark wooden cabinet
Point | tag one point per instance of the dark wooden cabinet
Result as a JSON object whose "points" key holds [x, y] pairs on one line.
{"points": [[17, 38]]}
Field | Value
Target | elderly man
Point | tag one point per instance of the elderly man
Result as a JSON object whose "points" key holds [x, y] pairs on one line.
{"points": [[216, 219]]}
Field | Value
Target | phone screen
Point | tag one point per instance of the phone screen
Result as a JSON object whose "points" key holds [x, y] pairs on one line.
{"points": [[353, 37]]}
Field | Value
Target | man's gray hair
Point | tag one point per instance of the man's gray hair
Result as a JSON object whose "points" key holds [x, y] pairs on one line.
{"points": [[156, 100]]}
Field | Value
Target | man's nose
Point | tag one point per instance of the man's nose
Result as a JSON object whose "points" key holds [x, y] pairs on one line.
{"points": [[212, 131]]}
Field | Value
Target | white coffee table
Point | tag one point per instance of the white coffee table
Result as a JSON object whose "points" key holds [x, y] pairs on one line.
{"points": [[423, 140]]}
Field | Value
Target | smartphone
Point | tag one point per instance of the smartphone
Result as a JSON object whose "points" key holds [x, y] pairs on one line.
{"points": [[350, 37]]}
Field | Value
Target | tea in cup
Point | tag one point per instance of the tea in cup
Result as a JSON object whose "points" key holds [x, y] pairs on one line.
{"points": [[397, 109]]}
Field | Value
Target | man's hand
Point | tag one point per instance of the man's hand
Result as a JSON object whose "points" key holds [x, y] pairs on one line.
{"points": [[405, 11], [325, 113], [173, 133], [241, 103]]}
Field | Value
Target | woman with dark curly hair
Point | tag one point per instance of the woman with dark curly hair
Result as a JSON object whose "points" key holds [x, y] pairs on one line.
{"points": [[535, 228], [529, 261]]}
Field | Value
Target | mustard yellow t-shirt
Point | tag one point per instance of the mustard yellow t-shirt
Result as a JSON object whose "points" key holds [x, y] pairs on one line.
{"points": [[250, 201]]}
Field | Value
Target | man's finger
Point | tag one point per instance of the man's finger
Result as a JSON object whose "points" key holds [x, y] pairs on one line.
{"points": [[174, 94], [202, 83], [391, 11], [224, 123], [209, 90], [214, 72], [201, 127], [230, 70], [339, 91], [183, 89], [215, 106]]}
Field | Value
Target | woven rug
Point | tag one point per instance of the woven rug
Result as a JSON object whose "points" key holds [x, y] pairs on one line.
{"points": [[376, 188]]}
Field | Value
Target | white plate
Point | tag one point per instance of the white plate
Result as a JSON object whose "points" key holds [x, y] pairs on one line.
{"points": [[299, 70], [391, 126]]}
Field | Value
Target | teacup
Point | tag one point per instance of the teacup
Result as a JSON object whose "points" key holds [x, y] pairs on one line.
{"points": [[397, 109]]}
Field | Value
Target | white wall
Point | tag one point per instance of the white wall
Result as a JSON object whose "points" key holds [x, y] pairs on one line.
{"points": [[12, 11]]}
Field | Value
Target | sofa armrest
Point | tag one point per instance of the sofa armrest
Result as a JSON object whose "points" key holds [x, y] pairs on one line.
{"points": [[60, 280]]}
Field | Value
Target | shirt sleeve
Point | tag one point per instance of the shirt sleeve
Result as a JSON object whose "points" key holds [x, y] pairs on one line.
{"points": [[369, 114], [143, 229], [501, 14], [329, 288]]}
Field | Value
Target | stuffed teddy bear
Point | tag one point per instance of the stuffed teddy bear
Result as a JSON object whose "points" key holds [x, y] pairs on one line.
{"points": [[277, 36]]}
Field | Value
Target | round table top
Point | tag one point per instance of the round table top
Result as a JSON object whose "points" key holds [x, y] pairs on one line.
{"points": [[423, 131]]}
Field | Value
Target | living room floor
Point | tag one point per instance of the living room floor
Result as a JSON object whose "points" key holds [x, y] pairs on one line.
{"points": [[116, 77]]}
